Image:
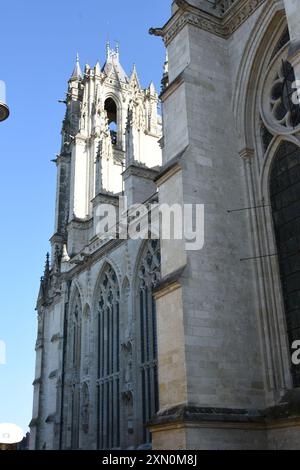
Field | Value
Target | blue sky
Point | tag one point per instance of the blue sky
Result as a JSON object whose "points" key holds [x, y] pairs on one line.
{"points": [[38, 45]]}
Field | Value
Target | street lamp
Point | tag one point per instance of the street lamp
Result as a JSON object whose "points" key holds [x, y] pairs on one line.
{"points": [[4, 111]]}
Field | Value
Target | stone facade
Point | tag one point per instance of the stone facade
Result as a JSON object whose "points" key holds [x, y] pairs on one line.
{"points": [[96, 366], [225, 381], [207, 365]]}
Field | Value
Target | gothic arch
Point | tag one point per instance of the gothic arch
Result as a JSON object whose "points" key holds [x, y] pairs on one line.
{"points": [[75, 329], [74, 363], [125, 283], [120, 118], [263, 50], [87, 341], [107, 327], [108, 261], [76, 287], [147, 276], [268, 29], [268, 161], [87, 311], [280, 183], [126, 309]]}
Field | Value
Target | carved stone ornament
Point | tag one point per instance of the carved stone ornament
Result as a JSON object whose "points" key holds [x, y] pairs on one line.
{"points": [[222, 25], [280, 108]]}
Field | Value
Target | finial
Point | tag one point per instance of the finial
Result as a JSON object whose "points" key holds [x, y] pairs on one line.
{"points": [[107, 49], [117, 49], [47, 266], [77, 73], [165, 79]]}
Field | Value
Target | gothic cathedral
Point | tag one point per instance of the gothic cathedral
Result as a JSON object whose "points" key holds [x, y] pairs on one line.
{"points": [[145, 343]]}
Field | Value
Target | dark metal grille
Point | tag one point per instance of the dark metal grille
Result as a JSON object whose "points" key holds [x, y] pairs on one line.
{"points": [[285, 201]]}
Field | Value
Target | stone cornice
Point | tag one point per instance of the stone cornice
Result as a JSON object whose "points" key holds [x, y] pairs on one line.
{"points": [[220, 26], [285, 414], [106, 198], [140, 172], [172, 167], [169, 284], [81, 224], [172, 87]]}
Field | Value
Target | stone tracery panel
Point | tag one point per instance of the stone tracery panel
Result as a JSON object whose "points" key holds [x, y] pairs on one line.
{"points": [[108, 374]]}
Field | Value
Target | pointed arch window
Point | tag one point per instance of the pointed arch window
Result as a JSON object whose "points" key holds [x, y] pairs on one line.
{"points": [[149, 276], [285, 202], [108, 361], [76, 322], [112, 115]]}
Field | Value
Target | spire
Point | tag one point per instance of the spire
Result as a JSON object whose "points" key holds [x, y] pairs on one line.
{"points": [[107, 50], [47, 268], [77, 73], [134, 79], [165, 79], [152, 89], [117, 51], [97, 68], [112, 64]]}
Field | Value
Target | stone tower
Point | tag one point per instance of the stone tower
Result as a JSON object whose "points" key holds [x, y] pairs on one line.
{"points": [[107, 113], [86, 395]]}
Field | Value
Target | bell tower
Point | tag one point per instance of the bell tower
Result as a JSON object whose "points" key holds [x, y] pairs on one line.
{"points": [[111, 122]]}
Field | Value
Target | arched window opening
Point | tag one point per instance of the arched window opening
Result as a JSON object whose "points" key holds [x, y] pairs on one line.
{"points": [[149, 276], [86, 341], [75, 363], [285, 202], [77, 336], [112, 115], [108, 361]]}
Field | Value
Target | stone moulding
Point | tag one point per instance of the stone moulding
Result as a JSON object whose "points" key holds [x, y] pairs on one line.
{"points": [[169, 283], [171, 167], [223, 27], [141, 172], [284, 414]]}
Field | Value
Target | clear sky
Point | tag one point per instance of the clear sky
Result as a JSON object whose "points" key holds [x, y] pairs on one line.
{"points": [[38, 45]]}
